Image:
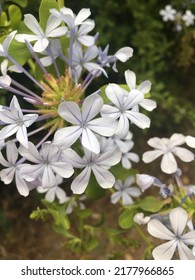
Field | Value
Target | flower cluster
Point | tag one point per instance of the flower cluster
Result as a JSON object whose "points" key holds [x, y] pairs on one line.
{"points": [[56, 133], [170, 14]]}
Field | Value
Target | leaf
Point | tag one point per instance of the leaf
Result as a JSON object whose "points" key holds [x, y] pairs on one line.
{"points": [[15, 15], [121, 173], [84, 213], [19, 52], [126, 219], [22, 3], [39, 214], [91, 244], [152, 204], [44, 12], [94, 191]]}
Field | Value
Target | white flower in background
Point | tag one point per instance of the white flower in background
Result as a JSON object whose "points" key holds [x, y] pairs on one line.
{"points": [[16, 122], [125, 191], [123, 110], [52, 30], [178, 240], [73, 203], [168, 13], [12, 169], [91, 162], [145, 181], [128, 157], [54, 191], [188, 18], [84, 125], [190, 141], [122, 55], [6, 43], [140, 219], [84, 60], [81, 33], [168, 148], [67, 15], [144, 88], [48, 163]]}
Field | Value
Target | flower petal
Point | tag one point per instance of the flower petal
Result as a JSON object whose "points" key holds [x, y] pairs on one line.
{"points": [[168, 163], [183, 154], [104, 126], [70, 111], [80, 183], [151, 155], [130, 78], [184, 252], [91, 107], [104, 178], [157, 229], [178, 218], [66, 136], [138, 119], [90, 141], [115, 94], [82, 15], [165, 251]]}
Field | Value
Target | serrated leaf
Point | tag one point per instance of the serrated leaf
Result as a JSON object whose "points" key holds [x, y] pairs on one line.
{"points": [[44, 12], [126, 219]]}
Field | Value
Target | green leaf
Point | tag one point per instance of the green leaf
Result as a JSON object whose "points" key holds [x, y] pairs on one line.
{"points": [[126, 219], [94, 191], [15, 15], [19, 52], [39, 214], [121, 173], [84, 213], [152, 204], [91, 244], [22, 3], [44, 12]]}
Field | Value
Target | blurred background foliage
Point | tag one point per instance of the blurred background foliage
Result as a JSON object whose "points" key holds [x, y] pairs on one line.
{"points": [[162, 54]]}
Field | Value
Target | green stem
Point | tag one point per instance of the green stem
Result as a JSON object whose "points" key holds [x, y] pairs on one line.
{"points": [[61, 3], [143, 236]]}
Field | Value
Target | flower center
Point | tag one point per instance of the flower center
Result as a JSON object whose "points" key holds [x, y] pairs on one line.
{"points": [[55, 91]]}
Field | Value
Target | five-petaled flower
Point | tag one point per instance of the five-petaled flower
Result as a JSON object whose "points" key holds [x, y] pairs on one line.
{"points": [[177, 238], [167, 148]]}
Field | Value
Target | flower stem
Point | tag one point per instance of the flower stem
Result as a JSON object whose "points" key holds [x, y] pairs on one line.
{"points": [[143, 236], [61, 3]]}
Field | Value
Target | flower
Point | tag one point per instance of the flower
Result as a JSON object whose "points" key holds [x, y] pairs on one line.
{"points": [[167, 148], [188, 18], [168, 13], [70, 18], [128, 156], [178, 240], [144, 88], [17, 122], [125, 191], [13, 169], [124, 103], [83, 123], [6, 43], [48, 163], [190, 141], [91, 162], [145, 181], [140, 219], [54, 191], [42, 38]]}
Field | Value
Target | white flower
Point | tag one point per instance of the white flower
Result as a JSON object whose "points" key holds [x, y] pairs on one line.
{"points": [[13, 169], [82, 60], [125, 191], [91, 162], [48, 163], [168, 13], [5, 79], [6, 43], [167, 148], [123, 55], [145, 181], [54, 191], [47, 60], [42, 38], [188, 18], [128, 157], [70, 18], [17, 122], [140, 219], [82, 31], [124, 102], [144, 88], [178, 240], [83, 123], [190, 141]]}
